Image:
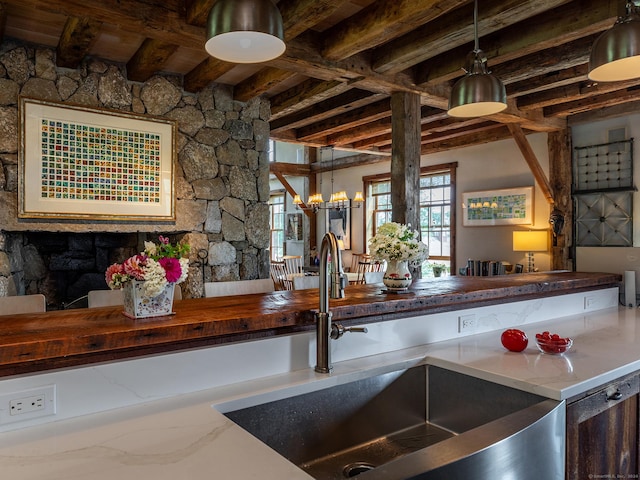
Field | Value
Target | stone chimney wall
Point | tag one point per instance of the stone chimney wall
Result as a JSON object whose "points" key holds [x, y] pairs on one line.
{"points": [[221, 180]]}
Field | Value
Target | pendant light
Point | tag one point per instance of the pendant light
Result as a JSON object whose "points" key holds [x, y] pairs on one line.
{"points": [[615, 55], [478, 93], [245, 31]]}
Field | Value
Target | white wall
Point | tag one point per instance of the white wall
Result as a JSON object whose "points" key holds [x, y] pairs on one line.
{"points": [[611, 259], [483, 167]]}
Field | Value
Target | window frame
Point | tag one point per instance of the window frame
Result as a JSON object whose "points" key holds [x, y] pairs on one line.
{"points": [[448, 168], [280, 194]]}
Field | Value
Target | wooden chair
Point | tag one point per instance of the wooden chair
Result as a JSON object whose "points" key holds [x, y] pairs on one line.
{"points": [[15, 304], [367, 267], [357, 258], [238, 287], [373, 277], [104, 298], [279, 276], [305, 282], [293, 265]]}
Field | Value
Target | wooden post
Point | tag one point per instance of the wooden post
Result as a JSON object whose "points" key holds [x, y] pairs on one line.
{"points": [[405, 161], [561, 178], [405, 158]]}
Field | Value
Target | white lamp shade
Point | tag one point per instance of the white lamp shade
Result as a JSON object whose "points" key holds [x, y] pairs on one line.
{"points": [[531, 241]]}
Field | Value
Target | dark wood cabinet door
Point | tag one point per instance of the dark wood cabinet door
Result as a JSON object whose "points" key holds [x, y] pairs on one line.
{"points": [[602, 433]]}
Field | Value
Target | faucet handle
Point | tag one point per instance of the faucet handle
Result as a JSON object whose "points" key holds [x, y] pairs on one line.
{"points": [[337, 330]]}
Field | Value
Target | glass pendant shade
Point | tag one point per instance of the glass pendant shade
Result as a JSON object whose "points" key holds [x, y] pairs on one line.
{"points": [[245, 31], [615, 55]]}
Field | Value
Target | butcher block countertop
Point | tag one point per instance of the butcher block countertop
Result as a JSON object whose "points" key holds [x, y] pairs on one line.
{"points": [[45, 341]]}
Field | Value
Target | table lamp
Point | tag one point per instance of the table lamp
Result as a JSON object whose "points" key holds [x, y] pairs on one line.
{"points": [[530, 241]]}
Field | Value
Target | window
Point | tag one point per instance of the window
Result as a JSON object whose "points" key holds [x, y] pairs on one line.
{"points": [[435, 214], [276, 222], [437, 211]]}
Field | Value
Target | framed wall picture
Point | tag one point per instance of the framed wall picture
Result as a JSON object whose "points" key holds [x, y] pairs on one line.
{"points": [[294, 227], [339, 223], [83, 163], [509, 206]]}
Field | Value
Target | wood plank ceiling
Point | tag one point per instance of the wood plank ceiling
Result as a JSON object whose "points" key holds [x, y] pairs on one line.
{"points": [[345, 57]]}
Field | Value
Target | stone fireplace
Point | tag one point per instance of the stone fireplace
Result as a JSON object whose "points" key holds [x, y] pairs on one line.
{"points": [[221, 181]]}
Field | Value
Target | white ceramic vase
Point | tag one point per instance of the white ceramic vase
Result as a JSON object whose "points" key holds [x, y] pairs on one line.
{"points": [[397, 276], [138, 305]]}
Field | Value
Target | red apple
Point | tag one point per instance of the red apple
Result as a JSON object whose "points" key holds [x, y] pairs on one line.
{"points": [[514, 340]]}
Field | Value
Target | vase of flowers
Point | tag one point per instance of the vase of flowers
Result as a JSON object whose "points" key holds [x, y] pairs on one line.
{"points": [[148, 279], [401, 247]]}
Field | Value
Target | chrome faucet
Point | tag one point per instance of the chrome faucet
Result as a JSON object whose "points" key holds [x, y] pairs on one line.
{"points": [[332, 284]]}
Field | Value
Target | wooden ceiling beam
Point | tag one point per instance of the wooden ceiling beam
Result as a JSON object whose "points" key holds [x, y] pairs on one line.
{"points": [[466, 129], [206, 72], [561, 25], [290, 169], [260, 82], [347, 137], [159, 20], [540, 83], [349, 100], [545, 62], [453, 29], [149, 59], [305, 94], [381, 22], [347, 120], [303, 57], [76, 39], [574, 92], [501, 132], [197, 11], [562, 110]]}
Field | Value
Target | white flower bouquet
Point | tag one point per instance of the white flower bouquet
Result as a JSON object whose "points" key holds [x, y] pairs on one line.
{"points": [[395, 241]]}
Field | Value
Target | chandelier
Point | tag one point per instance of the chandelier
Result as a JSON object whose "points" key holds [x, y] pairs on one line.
{"points": [[338, 201]]}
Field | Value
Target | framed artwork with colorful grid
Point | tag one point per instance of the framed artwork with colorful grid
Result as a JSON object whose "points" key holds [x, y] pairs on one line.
{"points": [[78, 162]]}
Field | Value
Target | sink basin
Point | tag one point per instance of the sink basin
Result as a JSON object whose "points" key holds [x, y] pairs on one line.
{"points": [[422, 422]]}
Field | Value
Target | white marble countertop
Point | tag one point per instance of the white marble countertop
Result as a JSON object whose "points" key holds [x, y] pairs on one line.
{"points": [[606, 346], [186, 438]]}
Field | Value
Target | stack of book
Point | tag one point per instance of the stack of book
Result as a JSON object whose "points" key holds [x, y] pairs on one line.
{"points": [[484, 268]]}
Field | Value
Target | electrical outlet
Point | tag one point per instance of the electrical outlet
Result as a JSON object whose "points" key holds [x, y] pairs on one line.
{"points": [[27, 404], [467, 323]]}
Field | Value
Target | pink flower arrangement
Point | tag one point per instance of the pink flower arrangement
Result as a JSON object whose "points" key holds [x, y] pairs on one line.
{"points": [[158, 265]]}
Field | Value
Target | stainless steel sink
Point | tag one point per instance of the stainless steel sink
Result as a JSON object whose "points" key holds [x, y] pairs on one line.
{"points": [[423, 422]]}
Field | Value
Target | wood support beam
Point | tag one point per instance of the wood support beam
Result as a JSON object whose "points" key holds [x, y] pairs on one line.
{"points": [[149, 58], [291, 191], [532, 161], [560, 174], [76, 40], [405, 158]]}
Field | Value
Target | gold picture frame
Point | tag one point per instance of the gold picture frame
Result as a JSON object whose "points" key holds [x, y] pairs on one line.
{"points": [[78, 162]]}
